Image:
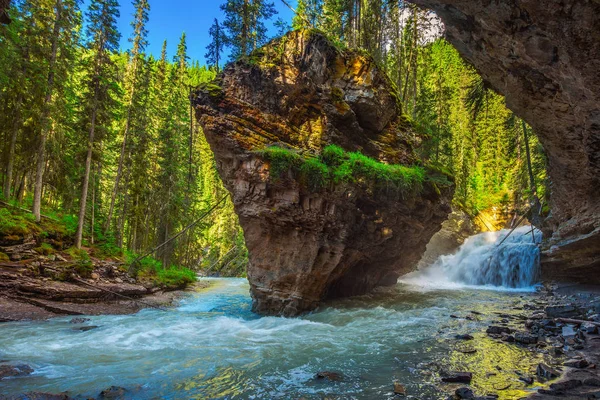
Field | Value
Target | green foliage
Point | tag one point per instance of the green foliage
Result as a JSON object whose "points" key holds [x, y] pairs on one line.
{"points": [[45, 249], [336, 166], [4, 257], [151, 269], [14, 223]]}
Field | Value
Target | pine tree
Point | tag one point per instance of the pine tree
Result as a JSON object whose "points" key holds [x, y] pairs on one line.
{"points": [[245, 24], [132, 83], [102, 40], [216, 46]]}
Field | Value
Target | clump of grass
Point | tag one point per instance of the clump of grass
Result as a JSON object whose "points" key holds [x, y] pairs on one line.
{"points": [[151, 269], [4, 257], [45, 249], [335, 166]]}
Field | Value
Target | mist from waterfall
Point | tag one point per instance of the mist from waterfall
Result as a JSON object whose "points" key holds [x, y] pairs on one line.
{"points": [[485, 260]]}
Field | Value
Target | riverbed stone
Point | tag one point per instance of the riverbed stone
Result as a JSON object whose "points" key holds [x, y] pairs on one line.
{"points": [[113, 392], [562, 311], [498, 330], [525, 338], [14, 370], [457, 377], [577, 363], [329, 375], [546, 372]]}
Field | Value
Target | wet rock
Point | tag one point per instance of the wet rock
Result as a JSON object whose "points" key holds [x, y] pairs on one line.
{"points": [[592, 382], [79, 320], [458, 377], [507, 338], [566, 385], [399, 389], [113, 392], [565, 311], [466, 336], [85, 328], [525, 338], [577, 363], [464, 393], [528, 379], [590, 328], [546, 372], [498, 330], [14, 371], [329, 375]]}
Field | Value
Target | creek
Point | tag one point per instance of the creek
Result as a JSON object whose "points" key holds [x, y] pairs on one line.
{"points": [[212, 346]]}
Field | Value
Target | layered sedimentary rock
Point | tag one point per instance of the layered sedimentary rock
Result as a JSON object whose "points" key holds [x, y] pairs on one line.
{"points": [[544, 56], [310, 235]]}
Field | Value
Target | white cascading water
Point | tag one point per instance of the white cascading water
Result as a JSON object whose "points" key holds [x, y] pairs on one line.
{"points": [[483, 261]]}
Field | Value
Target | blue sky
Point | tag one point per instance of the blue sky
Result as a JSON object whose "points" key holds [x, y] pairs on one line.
{"points": [[169, 18]]}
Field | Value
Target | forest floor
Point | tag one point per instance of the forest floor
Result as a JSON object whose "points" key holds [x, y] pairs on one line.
{"points": [[43, 276]]}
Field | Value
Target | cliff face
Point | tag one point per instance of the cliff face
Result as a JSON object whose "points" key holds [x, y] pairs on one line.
{"points": [[319, 223], [544, 56]]}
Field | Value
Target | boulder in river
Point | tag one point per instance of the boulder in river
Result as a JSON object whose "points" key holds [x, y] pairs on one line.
{"points": [[14, 370], [320, 221], [546, 372]]}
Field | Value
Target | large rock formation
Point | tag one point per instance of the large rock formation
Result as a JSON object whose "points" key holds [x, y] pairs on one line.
{"points": [[318, 228], [544, 56]]}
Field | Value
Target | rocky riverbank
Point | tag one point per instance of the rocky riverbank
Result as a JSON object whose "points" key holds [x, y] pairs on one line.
{"points": [[561, 324], [34, 286]]}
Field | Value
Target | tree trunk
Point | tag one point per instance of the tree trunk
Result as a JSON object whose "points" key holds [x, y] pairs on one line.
{"points": [[11, 149], [41, 152], [88, 166]]}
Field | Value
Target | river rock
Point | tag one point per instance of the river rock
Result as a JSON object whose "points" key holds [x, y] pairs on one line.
{"points": [[577, 363], [498, 330], [564, 311], [525, 338], [465, 336], [329, 375], [399, 389], [458, 377], [306, 241], [79, 320], [85, 328], [589, 327], [531, 52], [14, 371], [546, 372], [464, 393], [592, 382], [113, 392]]}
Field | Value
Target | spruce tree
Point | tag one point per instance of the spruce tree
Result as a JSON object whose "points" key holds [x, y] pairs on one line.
{"points": [[245, 24], [216, 46], [102, 41]]}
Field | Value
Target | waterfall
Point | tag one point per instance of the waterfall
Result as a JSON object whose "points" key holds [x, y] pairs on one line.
{"points": [[483, 261]]}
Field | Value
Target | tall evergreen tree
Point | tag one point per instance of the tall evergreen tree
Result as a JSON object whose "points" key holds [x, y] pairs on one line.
{"points": [[102, 40], [216, 46], [132, 86], [245, 24]]}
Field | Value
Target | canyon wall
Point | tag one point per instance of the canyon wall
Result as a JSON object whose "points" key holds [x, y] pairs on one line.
{"points": [[544, 56], [319, 227]]}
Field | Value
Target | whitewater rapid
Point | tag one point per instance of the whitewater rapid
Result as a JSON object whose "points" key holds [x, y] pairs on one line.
{"points": [[489, 260]]}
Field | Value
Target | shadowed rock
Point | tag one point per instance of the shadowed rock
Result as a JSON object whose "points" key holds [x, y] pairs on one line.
{"points": [[544, 56]]}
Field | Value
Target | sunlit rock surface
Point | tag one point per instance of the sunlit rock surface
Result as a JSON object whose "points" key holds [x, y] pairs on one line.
{"points": [[544, 56], [308, 244]]}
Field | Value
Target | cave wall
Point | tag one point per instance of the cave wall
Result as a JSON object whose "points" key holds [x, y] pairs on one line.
{"points": [[544, 57]]}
